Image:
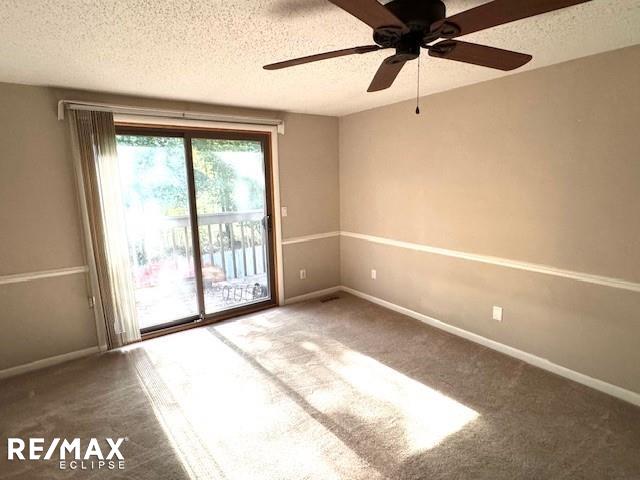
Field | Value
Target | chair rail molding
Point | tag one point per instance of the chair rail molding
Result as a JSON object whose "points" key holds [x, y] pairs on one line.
{"points": [[30, 276], [309, 238], [502, 262]]}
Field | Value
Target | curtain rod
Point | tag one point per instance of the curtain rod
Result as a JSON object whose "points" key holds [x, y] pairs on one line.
{"points": [[153, 112]]}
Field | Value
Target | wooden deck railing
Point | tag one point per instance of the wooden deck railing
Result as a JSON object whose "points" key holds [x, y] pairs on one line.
{"points": [[231, 241]]}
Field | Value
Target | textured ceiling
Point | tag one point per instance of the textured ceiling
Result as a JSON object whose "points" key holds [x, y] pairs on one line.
{"points": [[213, 50]]}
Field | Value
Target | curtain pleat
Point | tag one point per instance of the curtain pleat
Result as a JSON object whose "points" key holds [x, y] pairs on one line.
{"points": [[96, 143]]}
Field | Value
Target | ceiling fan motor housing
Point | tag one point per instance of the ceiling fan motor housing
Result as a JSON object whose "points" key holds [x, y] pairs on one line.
{"points": [[418, 15]]}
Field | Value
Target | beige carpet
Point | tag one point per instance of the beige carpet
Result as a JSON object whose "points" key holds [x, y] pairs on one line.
{"points": [[336, 390]]}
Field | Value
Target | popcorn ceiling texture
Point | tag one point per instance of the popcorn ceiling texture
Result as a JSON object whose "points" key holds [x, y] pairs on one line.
{"points": [[213, 50]]}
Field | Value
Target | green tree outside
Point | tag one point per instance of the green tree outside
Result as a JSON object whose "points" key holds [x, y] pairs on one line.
{"points": [[215, 179]]}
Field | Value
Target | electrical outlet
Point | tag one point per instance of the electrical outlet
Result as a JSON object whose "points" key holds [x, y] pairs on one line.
{"points": [[374, 274], [283, 211], [497, 313], [303, 274]]}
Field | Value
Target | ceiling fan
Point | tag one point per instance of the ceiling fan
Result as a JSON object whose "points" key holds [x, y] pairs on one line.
{"points": [[409, 25]]}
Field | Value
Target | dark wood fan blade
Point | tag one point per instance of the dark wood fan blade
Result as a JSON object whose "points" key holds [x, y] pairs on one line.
{"points": [[479, 55], [372, 13], [386, 74], [496, 13], [322, 56]]}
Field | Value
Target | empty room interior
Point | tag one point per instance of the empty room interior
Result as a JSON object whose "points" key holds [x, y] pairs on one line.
{"points": [[320, 239]]}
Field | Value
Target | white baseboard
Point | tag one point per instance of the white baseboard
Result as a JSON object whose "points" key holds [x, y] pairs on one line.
{"points": [[312, 295], [608, 388], [47, 362]]}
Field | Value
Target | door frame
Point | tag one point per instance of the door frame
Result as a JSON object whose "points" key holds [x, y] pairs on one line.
{"points": [[272, 213]]}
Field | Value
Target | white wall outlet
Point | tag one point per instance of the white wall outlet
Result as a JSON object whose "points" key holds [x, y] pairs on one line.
{"points": [[497, 313], [303, 274], [283, 211], [374, 274]]}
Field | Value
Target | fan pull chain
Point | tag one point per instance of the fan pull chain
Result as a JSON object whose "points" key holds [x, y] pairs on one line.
{"points": [[418, 90]]}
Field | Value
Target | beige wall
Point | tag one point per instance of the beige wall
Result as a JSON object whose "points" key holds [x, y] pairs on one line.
{"points": [[44, 318], [40, 227], [541, 167], [321, 260], [309, 189], [39, 230], [309, 180], [38, 217]]}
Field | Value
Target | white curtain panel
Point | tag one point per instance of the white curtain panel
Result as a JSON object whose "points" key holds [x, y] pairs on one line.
{"points": [[95, 140]]}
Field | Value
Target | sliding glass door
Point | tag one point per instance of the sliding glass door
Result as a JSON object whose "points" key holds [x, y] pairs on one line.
{"points": [[198, 215], [233, 220], [156, 202]]}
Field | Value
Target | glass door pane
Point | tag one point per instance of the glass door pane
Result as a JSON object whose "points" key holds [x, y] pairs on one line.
{"points": [[232, 220], [156, 197]]}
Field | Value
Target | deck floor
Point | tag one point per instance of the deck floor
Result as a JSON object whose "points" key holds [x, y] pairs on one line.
{"points": [[156, 305]]}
